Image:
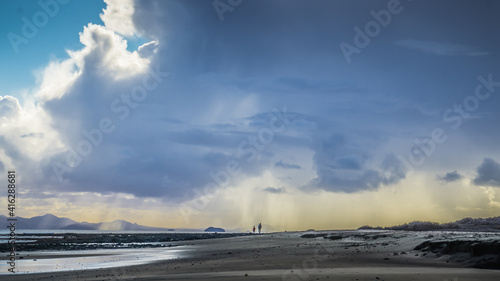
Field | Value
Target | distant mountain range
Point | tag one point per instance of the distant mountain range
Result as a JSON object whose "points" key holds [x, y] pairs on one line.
{"points": [[50, 221]]}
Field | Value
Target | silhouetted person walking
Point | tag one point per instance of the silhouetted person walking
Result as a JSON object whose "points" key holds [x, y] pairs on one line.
{"points": [[260, 227], [254, 229]]}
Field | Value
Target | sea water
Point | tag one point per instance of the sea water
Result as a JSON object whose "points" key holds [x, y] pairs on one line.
{"points": [[53, 261]]}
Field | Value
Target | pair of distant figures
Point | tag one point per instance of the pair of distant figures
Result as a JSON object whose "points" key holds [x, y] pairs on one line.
{"points": [[260, 228]]}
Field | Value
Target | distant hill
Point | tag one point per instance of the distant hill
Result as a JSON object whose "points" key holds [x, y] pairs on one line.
{"points": [[114, 225], [214, 229], [466, 224], [47, 221], [50, 221]]}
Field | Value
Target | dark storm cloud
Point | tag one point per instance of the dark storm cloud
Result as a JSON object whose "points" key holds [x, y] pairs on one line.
{"points": [[205, 138], [161, 168], [226, 78], [284, 165], [36, 135], [342, 165], [488, 173], [449, 177], [276, 190]]}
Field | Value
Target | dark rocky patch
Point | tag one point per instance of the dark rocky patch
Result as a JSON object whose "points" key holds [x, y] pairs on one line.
{"points": [[334, 237], [314, 235], [484, 254], [475, 248], [69, 241]]}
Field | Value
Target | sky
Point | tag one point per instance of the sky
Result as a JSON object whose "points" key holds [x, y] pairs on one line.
{"points": [[296, 114]]}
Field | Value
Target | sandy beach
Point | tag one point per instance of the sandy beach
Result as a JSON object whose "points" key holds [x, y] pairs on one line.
{"points": [[329, 255]]}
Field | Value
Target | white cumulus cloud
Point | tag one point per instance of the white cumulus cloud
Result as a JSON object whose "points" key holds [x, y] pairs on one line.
{"points": [[118, 16]]}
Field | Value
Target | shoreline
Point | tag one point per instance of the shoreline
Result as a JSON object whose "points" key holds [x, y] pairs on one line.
{"points": [[388, 255]]}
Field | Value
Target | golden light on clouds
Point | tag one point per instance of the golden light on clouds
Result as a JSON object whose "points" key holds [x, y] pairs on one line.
{"points": [[241, 207]]}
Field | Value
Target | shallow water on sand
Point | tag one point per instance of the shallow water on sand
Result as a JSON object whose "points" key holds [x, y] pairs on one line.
{"points": [[53, 261]]}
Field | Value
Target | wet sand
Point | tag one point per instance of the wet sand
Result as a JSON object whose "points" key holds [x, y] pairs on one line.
{"points": [[287, 256]]}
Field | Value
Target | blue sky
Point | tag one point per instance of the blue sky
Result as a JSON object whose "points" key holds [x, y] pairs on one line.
{"points": [[274, 111], [60, 30]]}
